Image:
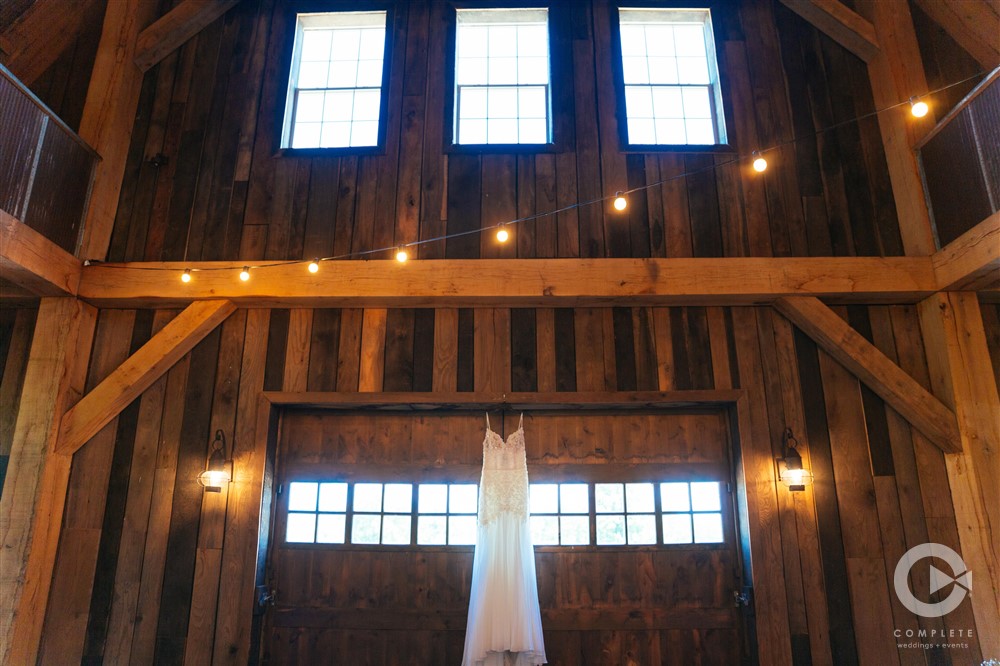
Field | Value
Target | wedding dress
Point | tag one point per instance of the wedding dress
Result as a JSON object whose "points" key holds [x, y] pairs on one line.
{"points": [[503, 607]]}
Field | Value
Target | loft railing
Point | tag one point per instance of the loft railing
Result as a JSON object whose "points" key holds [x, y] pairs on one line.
{"points": [[960, 162], [46, 170]]}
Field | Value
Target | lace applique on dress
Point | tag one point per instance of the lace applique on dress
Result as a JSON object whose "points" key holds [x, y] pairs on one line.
{"points": [[505, 477]]}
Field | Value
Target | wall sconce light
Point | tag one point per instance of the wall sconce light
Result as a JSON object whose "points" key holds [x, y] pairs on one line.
{"points": [[790, 467], [218, 469]]}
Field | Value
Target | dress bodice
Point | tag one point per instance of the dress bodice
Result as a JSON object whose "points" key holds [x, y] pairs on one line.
{"points": [[504, 486]]}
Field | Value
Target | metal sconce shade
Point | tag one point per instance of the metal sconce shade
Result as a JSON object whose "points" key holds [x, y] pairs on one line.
{"points": [[790, 468], [218, 470]]}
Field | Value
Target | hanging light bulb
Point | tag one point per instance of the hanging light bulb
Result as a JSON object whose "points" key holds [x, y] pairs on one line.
{"points": [[245, 273], [401, 255], [620, 202], [502, 234], [759, 163], [186, 275], [918, 107], [314, 266]]}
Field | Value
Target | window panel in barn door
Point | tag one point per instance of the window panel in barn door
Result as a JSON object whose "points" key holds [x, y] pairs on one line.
{"points": [[669, 78], [336, 82]]}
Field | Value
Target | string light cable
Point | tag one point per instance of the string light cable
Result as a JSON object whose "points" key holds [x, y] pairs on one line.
{"points": [[402, 249]]}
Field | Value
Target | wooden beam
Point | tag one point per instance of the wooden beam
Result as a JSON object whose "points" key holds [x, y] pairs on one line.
{"points": [[515, 282], [138, 372], [875, 369], [973, 24], [971, 261], [176, 27], [36, 39], [838, 22], [959, 362], [35, 263], [34, 489], [108, 116]]}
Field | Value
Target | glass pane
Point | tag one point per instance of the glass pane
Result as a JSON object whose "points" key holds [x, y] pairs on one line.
{"points": [[670, 131], [708, 528], [502, 103], [544, 530], [339, 106], [639, 102], [472, 103], [659, 40], [336, 135], [543, 498], [333, 497], [396, 530], [366, 104], [641, 131], [343, 74], [309, 108], [464, 498], [696, 103], [398, 498], [575, 530], [641, 530], [677, 528], [306, 135], [461, 530], [674, 497], [639, 498], [372, 45], [532, 70], [313, 74], [433, 498], [663, 70], [471, 71], [367, 496], [635, 70], [301, 527], [531, 103], [668, 103], [501, 130], [700, 131], [692, 70], [532, 130], [502, 71], [503, 41], [532, 40], [633, 40], [689, 40], [345, 44], [610, 530], [573, 498], [364, 133], [472, 42], [302, 496], [331, 528], [370, 73], [365, 528], [705, 496], [471, 131], [609, 498], [432, 530], [315, 45]]}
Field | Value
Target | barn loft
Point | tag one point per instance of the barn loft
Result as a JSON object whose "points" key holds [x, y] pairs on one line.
{"points": [[267, 266]]}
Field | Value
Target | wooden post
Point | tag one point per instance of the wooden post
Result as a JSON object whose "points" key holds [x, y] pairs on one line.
{"points": [[35, 489]]}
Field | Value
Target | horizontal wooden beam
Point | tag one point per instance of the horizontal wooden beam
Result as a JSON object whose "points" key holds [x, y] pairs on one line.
{"points": [[838, 22], [875, 369], [138, 373], [971, 261], [515, 282], [33, 262], [973, 24], [176, 27]]}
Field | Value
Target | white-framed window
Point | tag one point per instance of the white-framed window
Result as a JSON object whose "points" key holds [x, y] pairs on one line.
{"points": [[671, 78], [502, 91], [336, 79]]}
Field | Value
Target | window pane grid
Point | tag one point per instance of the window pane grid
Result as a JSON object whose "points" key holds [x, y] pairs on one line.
{"points": [[691, 513]]}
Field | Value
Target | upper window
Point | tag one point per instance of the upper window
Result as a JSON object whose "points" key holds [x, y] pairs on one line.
{"points": [[671, 79], [335, 86], [502, 76]]}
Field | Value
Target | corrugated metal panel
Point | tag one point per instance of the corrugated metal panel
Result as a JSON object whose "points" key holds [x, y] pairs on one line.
{"points": [[986, 117], [21, 120], [59, 193]]}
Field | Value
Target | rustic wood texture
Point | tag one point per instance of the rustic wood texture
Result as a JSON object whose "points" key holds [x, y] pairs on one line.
{"points": [[972, 260], [29, 260], [974, 25], [176, 27], [36, 39], [840, 23]]}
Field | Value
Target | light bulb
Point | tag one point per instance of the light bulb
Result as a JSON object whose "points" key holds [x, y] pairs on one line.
{"points": [[918, 107], [620, 202], [245, 273], [314, 266], [401, 255], [759, 163], [186, 275], [502, 234]]}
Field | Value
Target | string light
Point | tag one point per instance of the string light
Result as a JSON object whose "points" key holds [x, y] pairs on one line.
{"points": [[401, 255], [186, 275], [245, 273], [314, 266], [620, 202], [918, 107], [759, 163], [502, 234]]}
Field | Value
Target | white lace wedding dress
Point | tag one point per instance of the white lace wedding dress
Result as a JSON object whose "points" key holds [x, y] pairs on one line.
{"points": [[503, 608]]}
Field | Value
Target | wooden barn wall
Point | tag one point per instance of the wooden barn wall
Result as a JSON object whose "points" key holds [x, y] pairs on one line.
{"points": [[225, 192], [141, 574], [944, 61], [16, 328]]}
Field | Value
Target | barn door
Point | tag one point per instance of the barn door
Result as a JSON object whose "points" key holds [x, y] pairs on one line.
{"points": [[371, 552]]}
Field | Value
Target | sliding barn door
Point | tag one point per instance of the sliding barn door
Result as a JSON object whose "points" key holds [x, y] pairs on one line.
{"points": [[632, 515]]}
